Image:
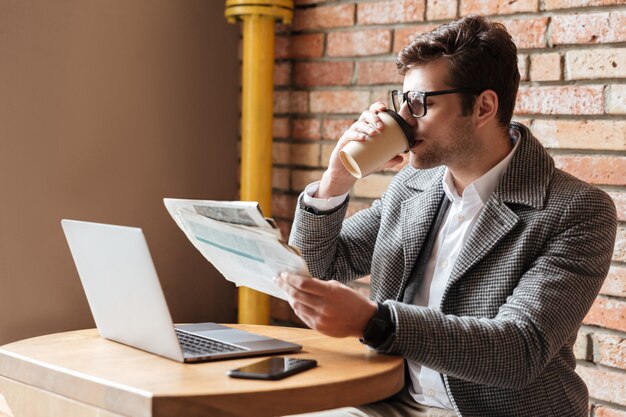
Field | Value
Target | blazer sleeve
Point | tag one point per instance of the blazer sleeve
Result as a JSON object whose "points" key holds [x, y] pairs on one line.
{"points": [[543, 312], [334, 248]]}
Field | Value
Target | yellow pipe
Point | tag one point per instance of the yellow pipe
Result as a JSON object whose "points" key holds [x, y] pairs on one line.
{"points": [[256, 120]]}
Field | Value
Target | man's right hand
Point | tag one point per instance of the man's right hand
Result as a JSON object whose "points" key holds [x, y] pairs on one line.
{"points": [[336, 179]]}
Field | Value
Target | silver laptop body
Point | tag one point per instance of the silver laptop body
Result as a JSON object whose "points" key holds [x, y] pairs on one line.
{"points": [[128, 305]]}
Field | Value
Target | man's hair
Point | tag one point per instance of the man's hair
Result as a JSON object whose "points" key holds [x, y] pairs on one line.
{"points": [[480, 54]]}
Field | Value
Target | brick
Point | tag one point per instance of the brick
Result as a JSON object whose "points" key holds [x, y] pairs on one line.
{"points": [[332, 129], [616, 99], [281, 47], [609, 350], [345, 101], [615, 282], [282, 73], [280, 178], [306, 128], [283, 205], [545, 67], [523, 120], [306, 2], [528, 33], [609, 313], [291, 102], [300, 178], [569, 99], [603, 384], [305, 154], [590, 134], [372, 186], [327, 149], [378, 72], [588, 28], [281, 28], [619, 254], [595, 169], [284, 225], [522, 66], [441, 9], [280, 153], [359, 43], [281, 101], [404, 36], [490, 7], [280, 127], [299, 46], [380, 95], [324, 17], [595, 63], [619, 198], [395, 11], [582, 346], [569, 4], [604, 411], [323, 73]]}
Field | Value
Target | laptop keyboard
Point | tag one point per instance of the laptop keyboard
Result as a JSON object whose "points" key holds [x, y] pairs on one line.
{"points": [[196, 345]]}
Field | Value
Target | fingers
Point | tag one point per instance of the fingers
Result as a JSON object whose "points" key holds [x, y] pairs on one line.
{"points": [[306, 285], [372, 119], [398, 159], [377, 107], [368, 124], [327, 306]]}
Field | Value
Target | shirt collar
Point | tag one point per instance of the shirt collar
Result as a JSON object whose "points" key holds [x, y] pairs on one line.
{"points": [[482, 187]]}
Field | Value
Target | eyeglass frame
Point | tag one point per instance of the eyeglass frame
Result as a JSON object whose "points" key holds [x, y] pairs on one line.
{"points": [[424, 95]]}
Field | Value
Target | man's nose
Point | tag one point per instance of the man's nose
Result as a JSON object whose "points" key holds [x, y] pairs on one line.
{"points": [[405, 113]]}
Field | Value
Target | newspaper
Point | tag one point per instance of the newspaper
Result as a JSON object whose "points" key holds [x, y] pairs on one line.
{"points": [[243, 245]]}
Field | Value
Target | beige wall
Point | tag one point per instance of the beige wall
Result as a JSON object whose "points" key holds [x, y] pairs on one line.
{"points": [[106, 107]]}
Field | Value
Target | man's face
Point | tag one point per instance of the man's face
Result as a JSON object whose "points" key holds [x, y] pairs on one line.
{"points": [[443, 136]]}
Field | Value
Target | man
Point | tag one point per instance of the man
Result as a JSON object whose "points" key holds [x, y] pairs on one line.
{"points": [[484, 258]]}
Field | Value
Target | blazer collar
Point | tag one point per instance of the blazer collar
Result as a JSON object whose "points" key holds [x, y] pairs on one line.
{"points": [[423, 179], [525, 181]]}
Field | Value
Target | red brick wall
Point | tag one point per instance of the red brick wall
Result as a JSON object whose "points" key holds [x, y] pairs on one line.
{"points": [[338, 57]]}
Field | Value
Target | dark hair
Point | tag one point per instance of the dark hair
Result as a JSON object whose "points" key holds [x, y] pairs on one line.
{"points": [[480, 54]]}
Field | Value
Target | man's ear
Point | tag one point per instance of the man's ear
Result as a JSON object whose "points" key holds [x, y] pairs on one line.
{"points": [[485, 108]]}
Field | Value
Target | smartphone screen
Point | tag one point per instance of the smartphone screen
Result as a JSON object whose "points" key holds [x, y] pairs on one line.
{"points": [[273, 368]]}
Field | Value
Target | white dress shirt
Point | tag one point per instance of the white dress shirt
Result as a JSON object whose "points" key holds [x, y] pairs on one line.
{"points": [[427, 386]]}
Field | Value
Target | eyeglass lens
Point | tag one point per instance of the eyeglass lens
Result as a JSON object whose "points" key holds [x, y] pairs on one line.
{"points": [[415, 102]]}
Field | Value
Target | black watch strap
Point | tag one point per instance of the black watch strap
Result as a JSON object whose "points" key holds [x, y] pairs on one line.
{"points": [[379, 328]]}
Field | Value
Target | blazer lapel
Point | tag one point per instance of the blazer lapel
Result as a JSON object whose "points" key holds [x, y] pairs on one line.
{"points": [[523, 183], [417, 214], [494, 223]]}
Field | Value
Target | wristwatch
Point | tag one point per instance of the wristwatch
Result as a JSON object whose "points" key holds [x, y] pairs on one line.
{"points": [[379, 328]]}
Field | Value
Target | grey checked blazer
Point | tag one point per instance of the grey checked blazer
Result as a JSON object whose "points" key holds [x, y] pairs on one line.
{"points": [[528, 274]]}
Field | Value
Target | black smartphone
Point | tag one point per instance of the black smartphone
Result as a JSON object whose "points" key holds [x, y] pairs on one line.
{"points": [[273, 368]]}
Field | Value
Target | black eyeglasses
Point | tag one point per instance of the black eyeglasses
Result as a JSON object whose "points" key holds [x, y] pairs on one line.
{"points": [[416, 100]]}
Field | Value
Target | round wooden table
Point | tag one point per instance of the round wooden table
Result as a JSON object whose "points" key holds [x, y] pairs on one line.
{"points": [[81, 374]]}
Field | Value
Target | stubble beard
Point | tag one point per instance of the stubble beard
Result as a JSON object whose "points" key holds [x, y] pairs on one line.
{"points": [[455, 147]]}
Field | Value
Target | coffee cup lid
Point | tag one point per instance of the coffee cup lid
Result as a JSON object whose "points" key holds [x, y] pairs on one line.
{"points": [[408, 132]]}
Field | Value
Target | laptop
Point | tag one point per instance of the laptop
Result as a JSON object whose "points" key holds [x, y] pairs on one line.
{"points": [[128, 305]]}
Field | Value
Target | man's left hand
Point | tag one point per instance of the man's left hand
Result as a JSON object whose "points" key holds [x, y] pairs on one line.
{"points": [[329, 307]]}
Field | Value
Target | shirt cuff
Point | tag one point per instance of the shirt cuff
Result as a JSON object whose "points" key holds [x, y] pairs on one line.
{"points": [[321, 204]]}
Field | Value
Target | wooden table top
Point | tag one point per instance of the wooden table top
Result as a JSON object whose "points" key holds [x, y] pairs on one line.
{"points": [[83, 366]]}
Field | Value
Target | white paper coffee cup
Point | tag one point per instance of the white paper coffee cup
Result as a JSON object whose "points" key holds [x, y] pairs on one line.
{"points": [[360, 158]]}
